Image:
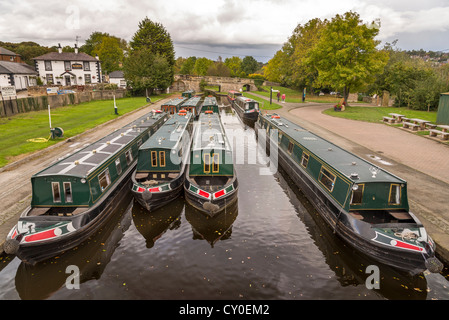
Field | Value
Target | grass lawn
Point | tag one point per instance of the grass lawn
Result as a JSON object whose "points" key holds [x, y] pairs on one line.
{"points": [[375, 114], [263, 104], [73, 119], [295, 96]]}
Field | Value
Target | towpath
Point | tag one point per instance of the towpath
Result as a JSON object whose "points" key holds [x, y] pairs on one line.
{"points": [[423, 162]]}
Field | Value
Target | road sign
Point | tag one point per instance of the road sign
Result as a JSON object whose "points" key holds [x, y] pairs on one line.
{"points": [[8, 91]]}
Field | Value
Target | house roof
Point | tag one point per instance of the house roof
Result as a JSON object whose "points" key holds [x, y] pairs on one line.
{"points": [[15, 68], [66, 56], [117, 74], [8, 52]]}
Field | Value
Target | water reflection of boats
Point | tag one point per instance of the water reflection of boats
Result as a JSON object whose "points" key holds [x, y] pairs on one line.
{"points": [[153, 226], [212, 228], [348, 264], [42, 280]]}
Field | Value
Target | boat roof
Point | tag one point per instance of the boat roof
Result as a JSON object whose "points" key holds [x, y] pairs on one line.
{"points": [[245, 99], [341, 160], [86, 160], [209, 133], [210, 101], [169, 133], [174, 102], [194, 101]]}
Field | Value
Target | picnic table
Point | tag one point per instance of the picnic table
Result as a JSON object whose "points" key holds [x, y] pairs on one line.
{"points": [[420, 122], [398, 117], [444, 128]]}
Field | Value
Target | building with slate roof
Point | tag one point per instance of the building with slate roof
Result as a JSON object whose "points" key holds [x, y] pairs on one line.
{"points": [[19, 75], [8, 55], [68, 68]]}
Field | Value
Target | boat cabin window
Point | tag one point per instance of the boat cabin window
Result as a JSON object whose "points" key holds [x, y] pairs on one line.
{"points": [[68, 192], [153, 158], [290, 147], [105, 179], [304, 159], [56, 192], [395, 194], [162, 158], [327, 179], [207, 163], [118, 165], [215, 163], [129, 157], [357, 195]]}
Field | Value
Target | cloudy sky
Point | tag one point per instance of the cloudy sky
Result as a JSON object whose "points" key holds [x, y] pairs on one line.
{"points": [[220, 27]]}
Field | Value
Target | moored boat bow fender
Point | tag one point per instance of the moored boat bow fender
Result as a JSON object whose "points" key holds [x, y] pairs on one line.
{"points": [[211, 207], [146, 195], [433, 265], [11, 246]]}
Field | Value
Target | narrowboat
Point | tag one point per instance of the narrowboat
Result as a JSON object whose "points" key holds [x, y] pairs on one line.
{"points": [[232, 95], [211, 183], [210, 105], [188, 94], [192, 105], [162, 159], [364, 204], [173, 106], [74, 196], [246, 108]]}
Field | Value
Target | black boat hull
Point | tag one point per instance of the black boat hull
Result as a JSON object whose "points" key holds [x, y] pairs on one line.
{"points": [[211, 207], [357, 234], [247, 117]]}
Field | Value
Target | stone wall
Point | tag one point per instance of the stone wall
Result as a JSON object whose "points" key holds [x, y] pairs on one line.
{"points": [[189, 82], [9, 107]]}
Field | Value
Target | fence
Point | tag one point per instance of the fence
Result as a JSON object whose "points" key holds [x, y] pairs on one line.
{"points": [[9, 107]]}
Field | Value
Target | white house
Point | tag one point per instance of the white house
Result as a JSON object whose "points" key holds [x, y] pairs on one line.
{"points": [[68, 68], [118, 78], [19, 75]]}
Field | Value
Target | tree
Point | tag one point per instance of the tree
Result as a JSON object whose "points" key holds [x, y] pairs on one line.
{"points": [[201, 66], [249, 65], [110, 54], [154, 37], [234, 64], [188, 65], [345, 55]]}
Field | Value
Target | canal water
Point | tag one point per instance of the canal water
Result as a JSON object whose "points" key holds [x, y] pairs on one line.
{"points": [[270, 245]]}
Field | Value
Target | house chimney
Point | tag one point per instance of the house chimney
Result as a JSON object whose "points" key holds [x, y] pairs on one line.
{"points": [[59, 48], [97, 57], [76, 48]]}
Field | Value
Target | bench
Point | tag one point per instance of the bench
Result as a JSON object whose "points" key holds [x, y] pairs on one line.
{"points": [[409, 125], [388, 119], [431, 125], [434, 133]]}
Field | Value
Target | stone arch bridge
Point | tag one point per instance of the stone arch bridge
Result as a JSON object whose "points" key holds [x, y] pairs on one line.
{"points": [[188, 82]]}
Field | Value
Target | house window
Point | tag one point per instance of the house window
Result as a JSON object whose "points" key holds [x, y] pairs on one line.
{"points": [[118, 166], [357, 195], [153, 158], [48, 66], [327, 179], [216, 163], [49, 78], [68, 192], [304, 159], [290, 147], [207, 163], [162, 158], [128, 156], [56, 192], [105, 179], [67, 66], [395, 194], [86, 65], [87, 79]]}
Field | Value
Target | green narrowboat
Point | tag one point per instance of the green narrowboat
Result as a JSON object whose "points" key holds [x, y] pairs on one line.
{"points": [[162, 159], [247, 109], [188, 94], [364, 204], [211, 182], [232, 95], [173, 106], [74, 196], [192, 105], [210, 105]]}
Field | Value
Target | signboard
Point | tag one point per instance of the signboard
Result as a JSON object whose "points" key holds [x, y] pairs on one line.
{"points": [[77, 66], [52, 90], [8, 91]]}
